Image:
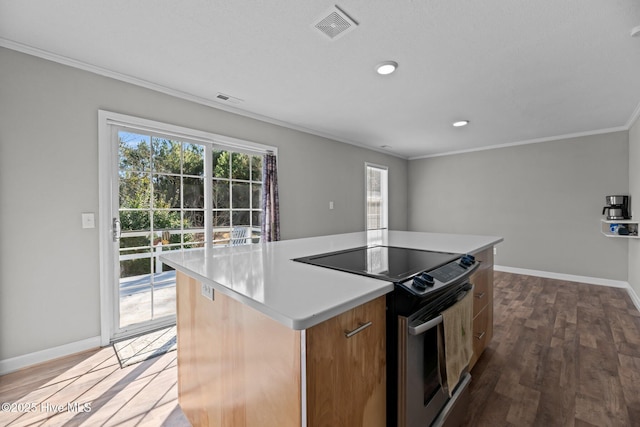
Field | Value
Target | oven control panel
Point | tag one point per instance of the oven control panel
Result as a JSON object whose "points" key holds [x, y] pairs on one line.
{"points": [[428, 281]]}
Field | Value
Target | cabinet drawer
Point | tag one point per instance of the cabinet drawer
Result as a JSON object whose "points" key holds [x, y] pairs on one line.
{"points": [[346, 362], [481, 291], [481, 331]]}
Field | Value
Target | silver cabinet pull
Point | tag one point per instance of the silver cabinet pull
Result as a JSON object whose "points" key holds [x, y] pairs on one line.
{"points": [[116, 229], [480, 335], [360, 328], [480, 295]]}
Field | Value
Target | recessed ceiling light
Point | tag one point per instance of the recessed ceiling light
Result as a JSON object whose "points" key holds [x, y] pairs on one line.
{"points": [[635, 32], [386, 67], [460, 123]]}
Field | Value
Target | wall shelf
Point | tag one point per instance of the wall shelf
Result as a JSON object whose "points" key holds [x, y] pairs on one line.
{"points": [[632, 226]]}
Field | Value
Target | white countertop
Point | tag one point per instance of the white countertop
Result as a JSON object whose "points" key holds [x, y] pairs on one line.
{"points": [[298, 295]]}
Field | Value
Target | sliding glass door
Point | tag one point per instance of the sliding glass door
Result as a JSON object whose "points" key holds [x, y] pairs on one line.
{"points": [[171, 193], [161, 207]]}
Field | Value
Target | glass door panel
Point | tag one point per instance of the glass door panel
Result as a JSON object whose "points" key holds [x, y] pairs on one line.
{"points": [[161, 208]]}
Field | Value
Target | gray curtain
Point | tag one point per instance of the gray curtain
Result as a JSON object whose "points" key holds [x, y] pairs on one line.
{"points": [[270, 226]]}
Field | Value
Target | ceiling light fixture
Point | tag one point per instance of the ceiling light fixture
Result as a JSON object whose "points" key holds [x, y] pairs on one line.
{"points": [[460, 123], [635, 31], [386, 67]]}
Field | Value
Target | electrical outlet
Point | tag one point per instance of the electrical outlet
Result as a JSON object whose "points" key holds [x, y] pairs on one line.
{"points": [[331, 204], [495, 250], [206, 291]]}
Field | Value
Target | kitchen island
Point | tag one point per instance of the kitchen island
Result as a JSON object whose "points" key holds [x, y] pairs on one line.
{"points": [[269, 346]]}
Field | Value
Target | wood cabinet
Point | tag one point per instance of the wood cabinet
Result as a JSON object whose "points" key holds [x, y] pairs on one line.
{"points": [[346, 375], [237, 367], [482, 280]]}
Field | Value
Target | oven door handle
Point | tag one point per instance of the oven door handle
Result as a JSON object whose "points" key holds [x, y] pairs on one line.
{"points": [[424, 327]]}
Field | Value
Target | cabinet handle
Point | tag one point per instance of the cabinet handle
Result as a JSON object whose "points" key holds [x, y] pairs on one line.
{"points": [[360, 328], [480, 295], [480, 335]]}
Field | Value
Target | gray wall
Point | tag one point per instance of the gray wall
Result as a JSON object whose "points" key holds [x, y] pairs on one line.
{"points": [[545, 199], [634, 191], [49, 273]]}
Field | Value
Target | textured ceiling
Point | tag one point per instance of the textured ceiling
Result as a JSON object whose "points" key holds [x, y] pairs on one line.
{"points": [[518, 70]]}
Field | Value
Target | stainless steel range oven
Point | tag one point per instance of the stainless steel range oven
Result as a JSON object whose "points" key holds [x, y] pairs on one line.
{"points": [[426, 284], [422, 395]]}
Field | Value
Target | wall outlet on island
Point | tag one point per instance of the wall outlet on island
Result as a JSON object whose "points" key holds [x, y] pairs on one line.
{"points": [[495, 250], [206, 291]]}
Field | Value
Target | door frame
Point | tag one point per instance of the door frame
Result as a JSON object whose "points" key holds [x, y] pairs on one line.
{"points": [[108, 123]]}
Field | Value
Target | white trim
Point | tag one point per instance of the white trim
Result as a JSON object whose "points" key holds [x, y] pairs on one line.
{"points": [[563, 276], [29, 50], [40, 53], [634, 297], [133, 122], [573, 278], [105, 184], [527, 142], [635, 116], [15, 363]]}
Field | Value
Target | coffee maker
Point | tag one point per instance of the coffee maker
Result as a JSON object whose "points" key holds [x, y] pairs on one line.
{"points": [[617, 207]]}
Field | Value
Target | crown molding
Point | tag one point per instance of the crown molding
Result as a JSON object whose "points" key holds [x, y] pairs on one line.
{"points": [[634, 117], [40, 53], [526, 142], [60, 59]]}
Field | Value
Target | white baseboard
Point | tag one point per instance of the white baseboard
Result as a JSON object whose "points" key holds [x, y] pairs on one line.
{"points": [[19, 362], [634, 297], [573, 278], [15, 363], [562, 276]]}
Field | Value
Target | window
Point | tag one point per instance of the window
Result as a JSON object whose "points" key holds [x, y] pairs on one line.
{"points": [[237, 192], [376, 197], [163, 183]]}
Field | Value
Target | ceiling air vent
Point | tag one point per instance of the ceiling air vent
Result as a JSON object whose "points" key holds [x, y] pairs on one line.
{"points": [[228, 98], [336, 23]]}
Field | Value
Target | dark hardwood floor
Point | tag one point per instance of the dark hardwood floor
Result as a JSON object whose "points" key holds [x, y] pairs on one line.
{"points": [[563, 354]]}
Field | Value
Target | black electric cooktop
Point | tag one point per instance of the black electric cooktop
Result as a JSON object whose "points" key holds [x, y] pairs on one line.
{"points": [[382, 262]]}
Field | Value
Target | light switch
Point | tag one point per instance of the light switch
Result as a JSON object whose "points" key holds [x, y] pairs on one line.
{"points": [[88, 220], [331, 204]]}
